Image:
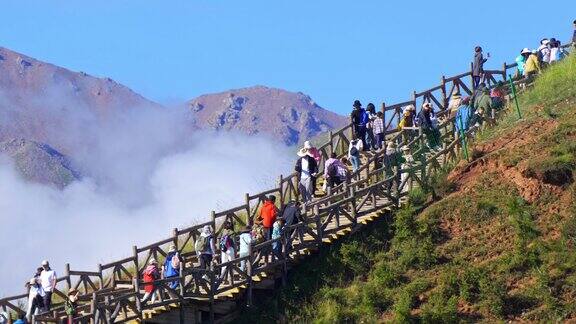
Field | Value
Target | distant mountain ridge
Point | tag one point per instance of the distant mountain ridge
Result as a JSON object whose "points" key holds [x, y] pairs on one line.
{"points": [[44, 104], [291, 117], [39, 162]]}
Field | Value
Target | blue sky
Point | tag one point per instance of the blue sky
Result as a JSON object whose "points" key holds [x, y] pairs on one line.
{"points": [[335, 51]]}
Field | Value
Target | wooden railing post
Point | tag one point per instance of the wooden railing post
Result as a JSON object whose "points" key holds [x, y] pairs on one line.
{"points": [[175, 238], [331, 139], [319, 232], [444, 94], [281, 198], [247, 202], [136, 262], [67, 275], [136, 284], [93, 302], [472, 77], [249, 280], [213, 218], [353, 207], [504, 71], [100, 276]]}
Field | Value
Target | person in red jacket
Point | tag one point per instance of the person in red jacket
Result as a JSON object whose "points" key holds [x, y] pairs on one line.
{"points": [[267, 217], [150, 274]]}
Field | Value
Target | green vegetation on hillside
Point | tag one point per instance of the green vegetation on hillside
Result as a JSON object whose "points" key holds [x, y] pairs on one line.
{"points": [[499, 245]]}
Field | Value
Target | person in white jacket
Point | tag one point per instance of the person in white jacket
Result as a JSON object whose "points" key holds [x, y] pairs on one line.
{"points": [[246, 241], [354, 150], [35, 297]]}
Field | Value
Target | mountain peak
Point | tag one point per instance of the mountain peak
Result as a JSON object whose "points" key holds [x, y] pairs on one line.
{"points": [[288, 116]]}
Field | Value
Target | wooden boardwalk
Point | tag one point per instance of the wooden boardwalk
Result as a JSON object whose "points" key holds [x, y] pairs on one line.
{"points": [[112, 292]]}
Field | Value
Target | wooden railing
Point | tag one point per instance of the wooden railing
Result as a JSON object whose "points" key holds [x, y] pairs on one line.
{"points": [[111, 294]]}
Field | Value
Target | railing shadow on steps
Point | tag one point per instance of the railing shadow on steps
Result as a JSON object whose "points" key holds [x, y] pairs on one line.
{"points": [[112, 293]]}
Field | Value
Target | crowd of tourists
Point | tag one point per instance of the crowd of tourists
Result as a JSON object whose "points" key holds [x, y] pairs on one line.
{"points": [[469, 112]]}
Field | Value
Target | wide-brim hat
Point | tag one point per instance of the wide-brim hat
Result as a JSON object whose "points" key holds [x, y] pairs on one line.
{"points": [[303, 152], [357, 104], [410, 108], [526, 51], [307, 145]]}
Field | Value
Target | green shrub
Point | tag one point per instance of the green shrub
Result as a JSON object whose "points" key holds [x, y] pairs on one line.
{"points": [[470, 284], [355, 257], [486, 210], [406, 300], [385, 275], [522, 221], [449, 283], [416, 253], [492, 293], [438, 309], [417, 197]]}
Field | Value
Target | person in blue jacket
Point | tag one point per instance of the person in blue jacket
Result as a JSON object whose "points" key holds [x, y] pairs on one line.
{"points": [[359, 119], [463, 115]]}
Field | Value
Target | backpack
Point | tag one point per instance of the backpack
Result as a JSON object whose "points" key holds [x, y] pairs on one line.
{"points": [[258, 234], [364, 117], [353, 151], [332, 170], [201, 244], [225, 242]]}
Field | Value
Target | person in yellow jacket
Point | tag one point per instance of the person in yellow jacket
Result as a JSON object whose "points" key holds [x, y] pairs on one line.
{"points": [[407, 121], [532, 66]]}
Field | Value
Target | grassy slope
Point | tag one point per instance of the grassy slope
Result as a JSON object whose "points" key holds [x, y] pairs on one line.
{"points": [[500, 245]]}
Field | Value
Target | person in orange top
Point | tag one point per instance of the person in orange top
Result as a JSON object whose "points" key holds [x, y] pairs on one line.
{"points": [[267, 217]]}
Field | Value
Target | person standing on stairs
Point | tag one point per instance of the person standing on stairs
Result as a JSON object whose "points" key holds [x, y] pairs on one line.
{"points": [[71, 305], [150, 274], [331, 171], [268, 215], [277, 232], [407, 163], [544, 53], [307, 169], [316, 155], [478, 65], [35, 298], [371, 114], [407, 120], [245, 240], [359, 118], [521, 61], [205, 247], [484, 107], [171, 266], [532, 66], [227, 248], [454, 103], [48, 281], [425, 120], [354, 154], [392, 162], [378, 129]]}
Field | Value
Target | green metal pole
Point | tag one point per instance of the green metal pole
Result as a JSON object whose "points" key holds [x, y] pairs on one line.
{"points": [[463, 137], [515, 98]]}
